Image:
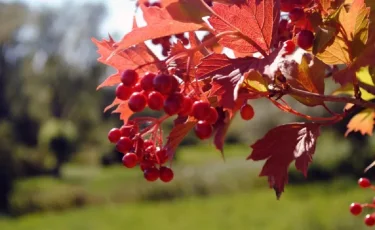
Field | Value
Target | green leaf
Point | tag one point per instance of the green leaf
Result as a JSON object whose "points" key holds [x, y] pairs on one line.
{"points": [[364, 76]]}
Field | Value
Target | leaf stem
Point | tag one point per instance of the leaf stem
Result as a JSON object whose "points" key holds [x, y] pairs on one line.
{"points": [[302, 93]]}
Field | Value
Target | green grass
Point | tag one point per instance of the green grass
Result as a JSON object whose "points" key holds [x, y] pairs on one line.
{"points": [[313, 207]]}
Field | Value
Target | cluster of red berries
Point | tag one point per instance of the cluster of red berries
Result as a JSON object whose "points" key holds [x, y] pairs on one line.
{"points": [[357, 208], [141, 152], [298, 29], [159, 92]]}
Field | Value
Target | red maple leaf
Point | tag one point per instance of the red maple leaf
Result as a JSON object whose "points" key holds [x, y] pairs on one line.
{"points": [[177, 134], [256, 20], [221, 127], [124, 111], [226, 73], [159, 24], [280, 146], [130, 58]]}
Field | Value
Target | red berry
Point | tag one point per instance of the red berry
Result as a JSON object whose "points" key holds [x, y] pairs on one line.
{"points": [[200, 110], [369, 220], [166, 174], [286, 5], [151, 174], [124, 145], [175, 84], [114, 135], [212, 116], [296, 14], [355, 209], [163, 83], [138, 87], [129, 130], [203, 130], [161, 155], [155, 100], [282, 25], [289, 47], [146, 165], [146, 81], [137, 102], [186, 107], [305, 39], [148, 143], [364, 182], [123, 92], [129, 77], [247, 112], [173, 103], [130, 160], [157, 4]]}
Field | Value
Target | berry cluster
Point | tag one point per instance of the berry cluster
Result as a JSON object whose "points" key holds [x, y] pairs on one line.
{"points": [[160, 92], [297, 29], [138, 151], [357, 208]]}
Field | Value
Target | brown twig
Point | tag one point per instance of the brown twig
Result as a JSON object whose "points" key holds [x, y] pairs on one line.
{"points": [[358, 102], [367, 87]]}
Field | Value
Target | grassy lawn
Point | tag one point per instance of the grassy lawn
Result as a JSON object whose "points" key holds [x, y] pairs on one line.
{"points": [[314, 207]]}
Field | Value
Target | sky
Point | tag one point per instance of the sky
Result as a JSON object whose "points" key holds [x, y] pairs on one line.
{"points": [[119, 18]]}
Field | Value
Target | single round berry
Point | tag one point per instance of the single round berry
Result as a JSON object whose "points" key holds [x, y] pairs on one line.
{"points": [[305, 39], [155, 100], [123, 92], [114, 135], [146, 81], [186, 107], [247, 112], [200, 110], [166, 174], [175, 84], [173, 103], [212, 116], [148, 143], [137, 87], [130, 160], [364, 182], [146, 164], [151, 174], [369, 220], [286, 5], [137, 102], [296, 14], [203, 130], [289, 47], [129, 77], [162, 156], [124, 145], [163, 83], [355, 209]]}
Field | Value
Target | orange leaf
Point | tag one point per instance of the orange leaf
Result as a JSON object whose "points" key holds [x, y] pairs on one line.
{"points": [[128, 59], [160, 24], [310, 77], [356, 19], [124, 111], [177, 134], [362, 122], [254, 19], [335, 53], [114, 103]]}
